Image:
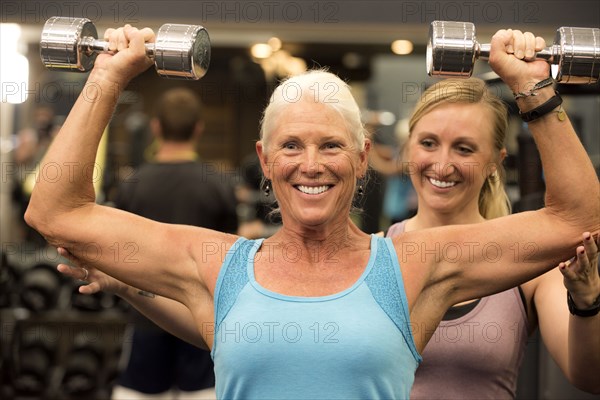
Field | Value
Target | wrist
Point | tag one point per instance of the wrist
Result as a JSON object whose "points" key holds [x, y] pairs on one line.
{"points": [[548, 107], [584, 301], [532, 91], [102, 81], [586, 306], [528, 103]]}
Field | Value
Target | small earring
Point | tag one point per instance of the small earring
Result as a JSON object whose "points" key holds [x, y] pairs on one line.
{"points": [[267, 189], [360, 192]]}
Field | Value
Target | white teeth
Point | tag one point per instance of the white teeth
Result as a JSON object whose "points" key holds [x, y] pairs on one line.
{"points": [[313, 190], [441, 184]]}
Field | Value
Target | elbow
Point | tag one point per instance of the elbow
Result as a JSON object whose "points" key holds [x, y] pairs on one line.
{"points": [[579, 219], [34, 217], [38, 220], [39, 217], [56, 221]]}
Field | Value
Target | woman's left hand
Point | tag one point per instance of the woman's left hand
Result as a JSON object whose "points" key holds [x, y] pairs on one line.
{"points": [[95, 280], [581, 276]]}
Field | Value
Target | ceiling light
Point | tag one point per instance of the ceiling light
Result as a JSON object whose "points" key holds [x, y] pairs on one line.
{"points": [[274, 43], [261, 50], [402, 47]]}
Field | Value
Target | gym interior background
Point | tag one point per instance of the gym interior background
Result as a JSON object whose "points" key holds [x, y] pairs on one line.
{"points": [[55, 343]]}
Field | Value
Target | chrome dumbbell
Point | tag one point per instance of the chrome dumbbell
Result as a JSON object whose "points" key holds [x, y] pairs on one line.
{"points": [[574, 56], [71, 44]]}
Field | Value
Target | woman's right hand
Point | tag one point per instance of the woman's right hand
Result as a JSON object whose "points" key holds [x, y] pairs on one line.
{"points": [[127, 56], [512, 57], [96, 280]]}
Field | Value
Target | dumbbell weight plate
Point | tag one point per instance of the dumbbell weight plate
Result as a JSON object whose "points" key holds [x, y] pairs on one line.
{"points": [[579, 60], [451, 49], [182, 51], [59, 44]]}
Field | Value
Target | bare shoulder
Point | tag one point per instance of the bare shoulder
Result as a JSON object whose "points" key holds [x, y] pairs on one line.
{"points": [[208, 249], [411, 249]]}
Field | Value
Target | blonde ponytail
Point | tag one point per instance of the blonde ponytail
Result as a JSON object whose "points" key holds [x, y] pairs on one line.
{"points": [[493, 200]]}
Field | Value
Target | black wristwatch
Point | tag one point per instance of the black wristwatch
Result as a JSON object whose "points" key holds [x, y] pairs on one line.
{"points": [[543, 109], [590, 312]]}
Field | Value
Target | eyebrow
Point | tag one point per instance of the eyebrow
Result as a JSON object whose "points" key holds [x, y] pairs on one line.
{"points": [[291, 136], [460, 139], [466, 139]]}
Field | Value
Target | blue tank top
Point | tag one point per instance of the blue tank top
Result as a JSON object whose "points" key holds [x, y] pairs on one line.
{"points": [[355, 344]]}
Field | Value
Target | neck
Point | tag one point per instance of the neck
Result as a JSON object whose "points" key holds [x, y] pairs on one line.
{"points": [[431, 219], [320, 245], [176, 152]]}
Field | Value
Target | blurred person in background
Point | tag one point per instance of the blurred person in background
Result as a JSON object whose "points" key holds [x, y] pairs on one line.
{"points": [[175, 186]]}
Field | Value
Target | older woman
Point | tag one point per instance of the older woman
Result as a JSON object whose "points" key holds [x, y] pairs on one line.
{"points": [[320, 309]]}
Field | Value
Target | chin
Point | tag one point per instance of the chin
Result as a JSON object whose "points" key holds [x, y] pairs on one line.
{"points": [[442, 206], [314, 220]]}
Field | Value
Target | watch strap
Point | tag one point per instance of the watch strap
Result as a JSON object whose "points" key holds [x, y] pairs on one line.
{"points": [[542, 109], [590, 312]]}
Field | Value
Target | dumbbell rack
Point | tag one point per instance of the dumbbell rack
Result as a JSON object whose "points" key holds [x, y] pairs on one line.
{"points": [[107, 330], [78, 331]]}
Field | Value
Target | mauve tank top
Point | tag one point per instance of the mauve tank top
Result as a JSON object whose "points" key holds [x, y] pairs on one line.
{"points": [[477, 355]]}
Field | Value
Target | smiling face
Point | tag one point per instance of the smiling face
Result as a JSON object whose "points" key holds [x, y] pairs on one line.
{"points": [[313, 163], [451, 153]]}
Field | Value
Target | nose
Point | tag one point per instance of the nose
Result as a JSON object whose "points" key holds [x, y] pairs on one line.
{"points": [[446, 164], [311, 162]]}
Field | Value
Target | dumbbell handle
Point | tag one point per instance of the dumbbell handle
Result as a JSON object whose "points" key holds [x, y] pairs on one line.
{"points": [[574, 55], [548, 54], [72, 44], [90, 44]]}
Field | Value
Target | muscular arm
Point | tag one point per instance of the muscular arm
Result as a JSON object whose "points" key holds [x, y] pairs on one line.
{"points": [[472, 261], [64, 209], [168, 314], [519, 247]]}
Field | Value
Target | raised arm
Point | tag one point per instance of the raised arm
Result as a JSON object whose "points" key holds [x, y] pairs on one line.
{"points": [[472, 261], [133, 249]]}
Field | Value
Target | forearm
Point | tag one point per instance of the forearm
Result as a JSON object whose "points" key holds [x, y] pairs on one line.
{"points": [[168, 314], [70, 159], [572, 188], [584, 352], [72, 154], [573, 341], [583, 285]]}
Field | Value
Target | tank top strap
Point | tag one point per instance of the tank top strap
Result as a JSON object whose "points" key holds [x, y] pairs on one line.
{"points": [[387, 287], [233, 276]]}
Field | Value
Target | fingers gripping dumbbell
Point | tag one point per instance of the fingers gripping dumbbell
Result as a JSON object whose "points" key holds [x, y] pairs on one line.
{"points": [[180, 51], [574, 57]]}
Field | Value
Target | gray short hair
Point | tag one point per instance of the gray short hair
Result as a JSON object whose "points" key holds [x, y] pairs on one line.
{"points": [[319, 86]]}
